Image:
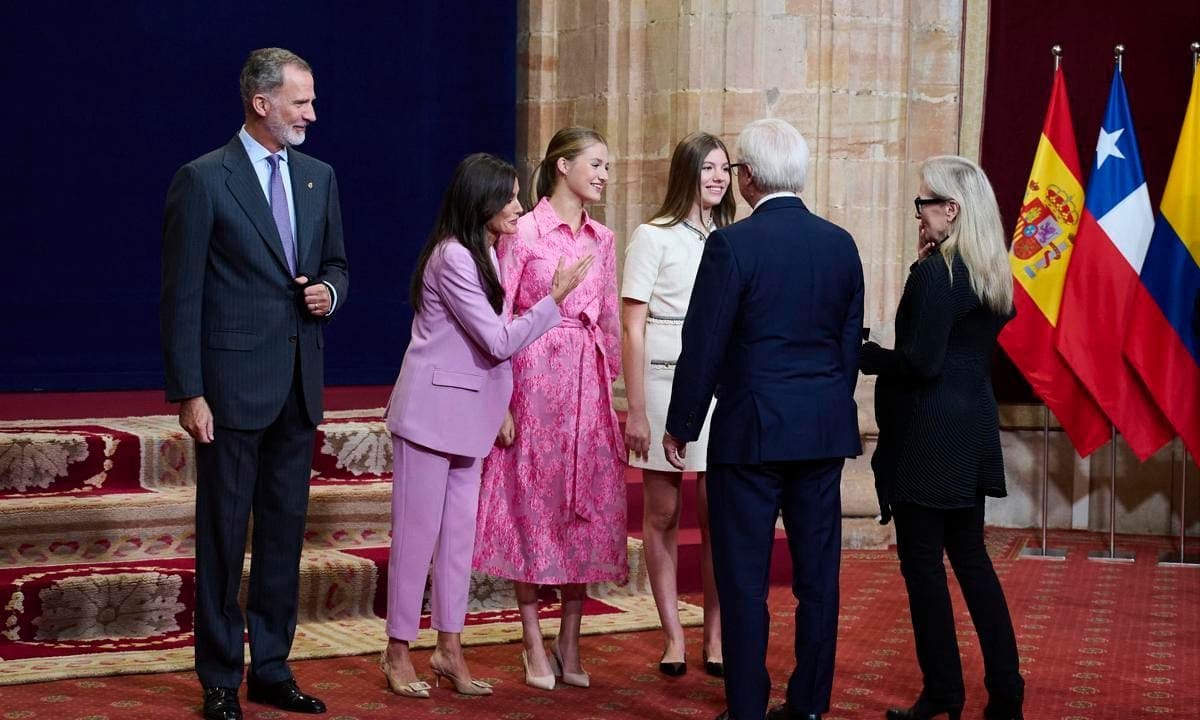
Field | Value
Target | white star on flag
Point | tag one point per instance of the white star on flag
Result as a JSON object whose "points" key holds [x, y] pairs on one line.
{"points": [[1106, 146]]}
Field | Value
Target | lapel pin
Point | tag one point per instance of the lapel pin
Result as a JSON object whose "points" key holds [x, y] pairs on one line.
{"points": [[310, 184]]}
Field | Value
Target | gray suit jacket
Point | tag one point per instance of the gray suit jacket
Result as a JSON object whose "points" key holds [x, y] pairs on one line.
{"points": [[232, 317]]}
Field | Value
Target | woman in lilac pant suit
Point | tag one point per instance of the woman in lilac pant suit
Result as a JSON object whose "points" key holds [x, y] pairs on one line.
{"points": [[446, 408]]}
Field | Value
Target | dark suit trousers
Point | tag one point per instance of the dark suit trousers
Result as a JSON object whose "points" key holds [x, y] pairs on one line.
{"points": [[744, 502], [921, 536], [264, 472]]}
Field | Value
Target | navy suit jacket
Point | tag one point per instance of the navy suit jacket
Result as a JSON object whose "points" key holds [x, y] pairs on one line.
{"points": [[774, 330], [234, 326]]}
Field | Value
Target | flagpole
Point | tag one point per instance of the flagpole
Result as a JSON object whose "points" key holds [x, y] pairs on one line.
{"points": [[1045, 552], [1168, 559], [1112, 554]]}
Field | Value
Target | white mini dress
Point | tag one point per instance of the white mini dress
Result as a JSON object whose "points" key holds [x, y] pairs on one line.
{"points": [[660, 269]]}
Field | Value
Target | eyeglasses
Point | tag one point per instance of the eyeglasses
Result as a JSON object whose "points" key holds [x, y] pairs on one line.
{"points": [[736, 168], [919, 202]]}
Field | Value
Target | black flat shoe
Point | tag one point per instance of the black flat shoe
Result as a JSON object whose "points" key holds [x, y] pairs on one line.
{"points": [[674, 669], [923, 709], [285, 695], [221, 704]]}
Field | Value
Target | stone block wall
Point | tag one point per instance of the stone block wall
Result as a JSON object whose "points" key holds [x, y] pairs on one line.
{"points": [[875, 86]]}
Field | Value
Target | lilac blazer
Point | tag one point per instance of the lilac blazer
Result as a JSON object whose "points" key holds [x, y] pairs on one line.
{"points": [[456, 378]]}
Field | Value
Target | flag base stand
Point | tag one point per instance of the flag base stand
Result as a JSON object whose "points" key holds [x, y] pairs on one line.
{"points": [[1172, 558], [1044, 553], [1114, 555]]}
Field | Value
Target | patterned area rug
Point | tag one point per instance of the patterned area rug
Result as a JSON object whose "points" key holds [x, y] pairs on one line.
{"points": [[152, 454], [63, 621], [1097, 642], [96, 551]]}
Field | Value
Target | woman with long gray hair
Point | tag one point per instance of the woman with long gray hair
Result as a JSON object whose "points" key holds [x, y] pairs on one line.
{"points": [[939, 455]]}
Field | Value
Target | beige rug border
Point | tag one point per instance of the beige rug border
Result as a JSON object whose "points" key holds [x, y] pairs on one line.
{"points": [[360, 636]]}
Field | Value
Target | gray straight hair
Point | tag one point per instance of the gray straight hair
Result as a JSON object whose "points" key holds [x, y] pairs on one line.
{"points": [[776, 153], [977, 234], [262, 72]]}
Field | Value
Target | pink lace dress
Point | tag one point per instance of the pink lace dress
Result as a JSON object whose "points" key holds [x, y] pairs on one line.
{"points": [[552, 505]]}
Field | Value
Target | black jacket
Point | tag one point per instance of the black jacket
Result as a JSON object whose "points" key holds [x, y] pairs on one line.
{"points": [[939, 435]]}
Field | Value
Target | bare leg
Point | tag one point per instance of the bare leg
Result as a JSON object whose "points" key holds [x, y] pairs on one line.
{"points": [[712, 605], [448, 657], [531, 629], [660, 537], [400, 662], [573, 595]]}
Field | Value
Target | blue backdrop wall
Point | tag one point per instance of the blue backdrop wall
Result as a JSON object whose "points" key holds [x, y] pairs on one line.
{"points": [[104, 101]]}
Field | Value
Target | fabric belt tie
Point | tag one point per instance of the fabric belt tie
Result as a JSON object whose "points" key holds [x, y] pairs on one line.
{"points": [[580, 501]]}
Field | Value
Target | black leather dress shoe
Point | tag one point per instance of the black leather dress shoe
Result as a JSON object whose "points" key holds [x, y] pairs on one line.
{"points": [[716, 668], [221, 704], [284, 695], [924, 709], [785, 712]]}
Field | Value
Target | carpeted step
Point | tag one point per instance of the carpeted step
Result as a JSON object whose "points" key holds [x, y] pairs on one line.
{"points": [[125, 527], [89, 458], [101, 618]]}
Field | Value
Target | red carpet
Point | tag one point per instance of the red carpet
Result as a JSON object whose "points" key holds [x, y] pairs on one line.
{"points": [[1098, 642]]}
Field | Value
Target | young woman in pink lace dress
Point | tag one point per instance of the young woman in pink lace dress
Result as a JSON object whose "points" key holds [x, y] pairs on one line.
{"points": [[552, 504]]}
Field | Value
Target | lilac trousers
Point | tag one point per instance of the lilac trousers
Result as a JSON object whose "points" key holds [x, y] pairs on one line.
{"points": [[435, 498]]}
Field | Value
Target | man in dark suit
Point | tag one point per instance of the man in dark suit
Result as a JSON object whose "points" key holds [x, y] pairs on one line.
{"points": [[773, 328], [253, 266]]}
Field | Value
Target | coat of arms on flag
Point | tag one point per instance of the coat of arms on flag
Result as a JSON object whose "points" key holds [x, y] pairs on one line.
{"points": [[1045, 228]]}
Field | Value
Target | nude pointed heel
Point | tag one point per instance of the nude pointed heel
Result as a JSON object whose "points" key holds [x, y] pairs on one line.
{"points": [[418, 690], [541, 682], [467, 687], [580, 679]]}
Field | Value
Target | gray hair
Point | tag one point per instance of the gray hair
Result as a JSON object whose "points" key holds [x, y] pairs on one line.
{"points": [[976, 234], [263, 72], [776, 153]]}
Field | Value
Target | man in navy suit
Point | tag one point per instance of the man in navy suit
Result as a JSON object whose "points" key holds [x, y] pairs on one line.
{"points": [[253, 266], [773, 330]]}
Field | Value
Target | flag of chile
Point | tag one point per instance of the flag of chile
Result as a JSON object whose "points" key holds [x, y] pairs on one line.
{"points": [[1110, 249]]}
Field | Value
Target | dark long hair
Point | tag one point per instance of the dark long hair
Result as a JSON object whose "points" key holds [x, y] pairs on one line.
{"points": [[567, 143], [683, 182], [482, 185]]}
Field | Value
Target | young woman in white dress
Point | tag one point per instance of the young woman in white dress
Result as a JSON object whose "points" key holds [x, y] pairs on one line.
{"points": [[660, 269]]}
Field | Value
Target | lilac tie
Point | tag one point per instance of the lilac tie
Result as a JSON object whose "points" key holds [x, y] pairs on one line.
{"points": [[279, 209]]}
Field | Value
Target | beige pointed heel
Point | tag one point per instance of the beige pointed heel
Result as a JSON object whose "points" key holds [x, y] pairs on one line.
{"points": [[541, 682], [418, 690], [462, 687], [580, 679]]}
